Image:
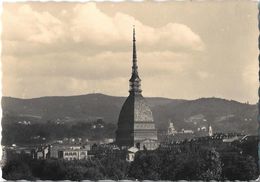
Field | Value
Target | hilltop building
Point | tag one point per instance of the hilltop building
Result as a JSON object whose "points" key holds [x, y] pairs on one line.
{"points": [[171, 129], [210, 131], [135, 123]]}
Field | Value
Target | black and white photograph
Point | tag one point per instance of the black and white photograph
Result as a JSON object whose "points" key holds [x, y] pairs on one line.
{"points": [[130, 90]]}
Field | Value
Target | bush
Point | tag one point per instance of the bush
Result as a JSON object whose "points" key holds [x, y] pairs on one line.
{"points": [[146, 165], [239, 167], [15, 170]]}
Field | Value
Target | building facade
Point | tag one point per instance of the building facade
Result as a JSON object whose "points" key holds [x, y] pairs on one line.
{"points": [[73, 154], [135, 123], [69, 152], [171, 129]]}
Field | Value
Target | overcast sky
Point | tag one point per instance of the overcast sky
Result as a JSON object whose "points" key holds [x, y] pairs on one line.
{"points": [[185, 50]]}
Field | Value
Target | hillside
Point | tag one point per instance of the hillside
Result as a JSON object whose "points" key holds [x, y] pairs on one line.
{"points": [[223, 115], [71, 108]]}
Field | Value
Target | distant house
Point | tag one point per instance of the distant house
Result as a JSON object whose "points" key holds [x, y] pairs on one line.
{"points": [[171, 129], [131, 154], [232, 139], [108, 140], [148, 144], [69, 151], [187, 131], [25, 122], [73, 154], [41, 153]]}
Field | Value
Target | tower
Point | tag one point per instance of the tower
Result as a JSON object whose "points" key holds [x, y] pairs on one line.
{"points": [[135, 122], [171, 129], [210, 130]]}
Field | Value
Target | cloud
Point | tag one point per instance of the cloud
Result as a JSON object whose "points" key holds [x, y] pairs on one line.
{"points": [[92, 25], [77, 48], [203, 75], [250, 73], [250, 79], [82, 49], [27, 31], [31, 26], [78, 74], [103, 66]]}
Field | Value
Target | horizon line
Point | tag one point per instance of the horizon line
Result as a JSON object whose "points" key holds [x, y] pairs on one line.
{"points": [[99, 93]]}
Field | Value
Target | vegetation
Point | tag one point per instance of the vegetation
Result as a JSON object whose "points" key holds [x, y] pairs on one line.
{"points": [[56, 169], [223, 115], [200, 163], [27, 134]]}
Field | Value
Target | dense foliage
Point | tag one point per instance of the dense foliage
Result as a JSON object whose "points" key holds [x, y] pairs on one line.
{"points": [[55, 169], [203, 163]]}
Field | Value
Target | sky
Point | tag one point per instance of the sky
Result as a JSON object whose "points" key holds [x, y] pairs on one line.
{"points": [[185, 50]]}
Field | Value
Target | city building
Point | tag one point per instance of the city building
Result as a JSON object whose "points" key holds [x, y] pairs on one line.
{"points": [[135, 122], [73, 154], [210, 131], [148, 144], [171, 129], [69, 151], [187, 131], [41, 152], [131, 154]]}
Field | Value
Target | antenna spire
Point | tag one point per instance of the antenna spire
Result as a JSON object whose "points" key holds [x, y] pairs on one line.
{"points": [[134, 46], [135, 81]]}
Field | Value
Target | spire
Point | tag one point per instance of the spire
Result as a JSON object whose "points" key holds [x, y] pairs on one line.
{"points": [[134, 48], [135, 81]]}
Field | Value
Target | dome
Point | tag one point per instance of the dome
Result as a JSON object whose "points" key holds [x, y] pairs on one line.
{"points": [[142, 111], [135, 109], [135, 121]]}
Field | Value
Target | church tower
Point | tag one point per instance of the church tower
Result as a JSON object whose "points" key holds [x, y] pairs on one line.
{"points": [[135, 123], [210, 131]]}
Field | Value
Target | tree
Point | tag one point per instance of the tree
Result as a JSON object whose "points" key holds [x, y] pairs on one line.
{"points": [[188, 166], [203, 164], [17, 170], [212, 166], [146, 165], [53, 169], [114, 168], [239, 167], [75, 172], [93, 173]]}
